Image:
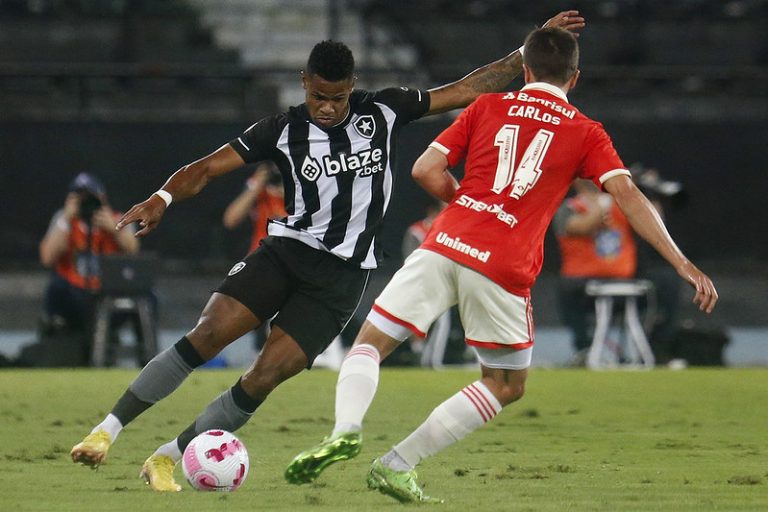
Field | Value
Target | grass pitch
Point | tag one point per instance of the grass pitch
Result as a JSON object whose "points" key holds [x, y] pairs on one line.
{"points": [[615, 441]]}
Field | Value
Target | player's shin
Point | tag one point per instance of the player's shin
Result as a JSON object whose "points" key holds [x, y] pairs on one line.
{"points": [[356, 387], [229, 411], [451, 421], [158, 379]]}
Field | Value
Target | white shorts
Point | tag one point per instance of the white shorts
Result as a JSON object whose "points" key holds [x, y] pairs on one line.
{"points": [[429, 283]]}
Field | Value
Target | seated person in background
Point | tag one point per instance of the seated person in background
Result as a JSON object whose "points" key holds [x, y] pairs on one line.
{"points": [[261, 200], [77, 235], [596, 242]]}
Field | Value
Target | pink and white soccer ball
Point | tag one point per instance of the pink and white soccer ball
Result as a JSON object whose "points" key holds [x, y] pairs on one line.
{"points": [[215, 460]]}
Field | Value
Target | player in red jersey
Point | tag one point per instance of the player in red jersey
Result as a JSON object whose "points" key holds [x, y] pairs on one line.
{"points": [[523, 150]]}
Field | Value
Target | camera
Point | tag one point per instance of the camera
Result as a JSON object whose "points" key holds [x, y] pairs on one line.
{"points": [[89, 203], [656, 188]]}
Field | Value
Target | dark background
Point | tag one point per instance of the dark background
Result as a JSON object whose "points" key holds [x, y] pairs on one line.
{"points": [[132, 90], [721, 164]]}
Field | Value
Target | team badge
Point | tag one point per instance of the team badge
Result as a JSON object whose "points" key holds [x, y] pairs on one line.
{"points": [[240, 265], [365, 126], [310, 169]]}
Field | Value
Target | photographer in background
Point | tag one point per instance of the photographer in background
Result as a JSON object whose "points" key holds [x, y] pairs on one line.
{"points": [[262, 200], [77, 235], [596, 241]]}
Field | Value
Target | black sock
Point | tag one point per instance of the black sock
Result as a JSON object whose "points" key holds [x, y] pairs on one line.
{"points": [[128, 407], [188, 353], [242, 400]]}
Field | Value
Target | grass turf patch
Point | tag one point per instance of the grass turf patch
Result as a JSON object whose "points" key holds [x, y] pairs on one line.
{"points": [[578, 440]]}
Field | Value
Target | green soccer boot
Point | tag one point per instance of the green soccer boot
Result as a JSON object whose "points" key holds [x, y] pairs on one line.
{"points": [[401, 485], [307, 466]]}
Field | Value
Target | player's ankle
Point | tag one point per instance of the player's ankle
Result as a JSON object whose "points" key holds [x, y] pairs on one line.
{"points": [[393, 460], [345, 428]]}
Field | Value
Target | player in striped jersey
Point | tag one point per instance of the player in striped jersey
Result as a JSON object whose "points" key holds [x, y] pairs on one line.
{"points": [[522, 151], [335, 154]]}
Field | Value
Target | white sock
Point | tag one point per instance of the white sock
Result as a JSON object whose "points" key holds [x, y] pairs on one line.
{"points": [[393, 460], [449, 422], [111, 425], [170, 449], [356, 387]]}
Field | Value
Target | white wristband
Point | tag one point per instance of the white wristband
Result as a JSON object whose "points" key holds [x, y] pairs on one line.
{"points": [[165, 196], [521, 50]]}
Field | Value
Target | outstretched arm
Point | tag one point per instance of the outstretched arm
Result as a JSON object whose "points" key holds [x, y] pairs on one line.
{"points": [[493, 77], [647, 223], [184, 183]]}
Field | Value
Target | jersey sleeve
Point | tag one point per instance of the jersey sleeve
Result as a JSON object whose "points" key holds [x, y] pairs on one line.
{"points": [[258, 142], [601, 161], [408, 104], [454, 141]]}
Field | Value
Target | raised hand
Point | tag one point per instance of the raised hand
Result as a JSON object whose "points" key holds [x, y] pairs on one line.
{"points": [[568, 20], [147, 214]]}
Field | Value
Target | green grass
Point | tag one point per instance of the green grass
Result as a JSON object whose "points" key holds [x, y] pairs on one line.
{"points": [[616, 441]]}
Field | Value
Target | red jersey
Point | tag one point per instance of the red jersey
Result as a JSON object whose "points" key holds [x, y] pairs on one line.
{"points": [[523, 149]]}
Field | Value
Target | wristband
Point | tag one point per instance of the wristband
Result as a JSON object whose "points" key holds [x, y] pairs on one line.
{"points": [[521, 50], [165, 196]]}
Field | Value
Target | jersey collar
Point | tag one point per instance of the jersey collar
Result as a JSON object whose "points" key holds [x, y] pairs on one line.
{"points": [[544, 86]]}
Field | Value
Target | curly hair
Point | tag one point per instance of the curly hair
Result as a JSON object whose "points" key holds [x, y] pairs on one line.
{"points": [[332, 60]]}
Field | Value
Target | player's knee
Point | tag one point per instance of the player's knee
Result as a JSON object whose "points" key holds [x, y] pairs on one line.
{"points": [[205, 340]]}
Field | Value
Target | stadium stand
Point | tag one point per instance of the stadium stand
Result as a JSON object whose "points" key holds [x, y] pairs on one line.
{"points": [[120, 61], [720, 50]]}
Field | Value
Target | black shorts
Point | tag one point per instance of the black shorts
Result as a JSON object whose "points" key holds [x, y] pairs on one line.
{"points": [[313, 292]]}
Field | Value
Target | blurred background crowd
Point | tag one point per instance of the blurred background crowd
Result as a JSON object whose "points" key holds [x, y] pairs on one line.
{"points": [[128, 90]]}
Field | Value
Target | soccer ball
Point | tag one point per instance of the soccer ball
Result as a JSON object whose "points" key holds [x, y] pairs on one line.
{"points": [[215, 460]]}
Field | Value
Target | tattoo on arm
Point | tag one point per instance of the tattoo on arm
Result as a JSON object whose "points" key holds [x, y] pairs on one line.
{"points": [[495, 76]]}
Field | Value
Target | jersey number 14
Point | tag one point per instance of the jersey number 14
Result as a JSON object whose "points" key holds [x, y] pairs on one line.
{"points": [[523, 177]]}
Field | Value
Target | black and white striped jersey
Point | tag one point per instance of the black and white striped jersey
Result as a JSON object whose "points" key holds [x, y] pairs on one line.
{"points": [[338, 181]]}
